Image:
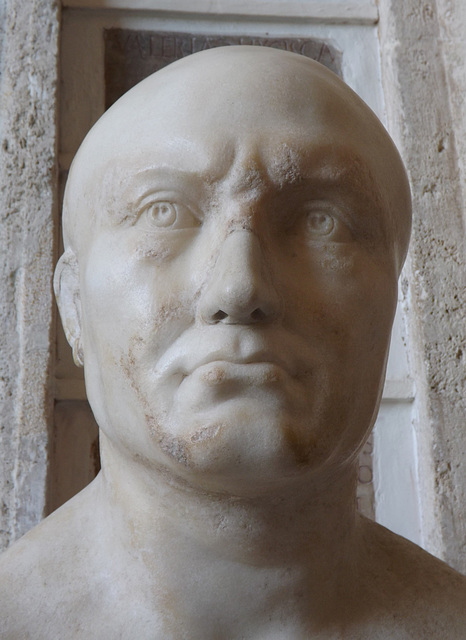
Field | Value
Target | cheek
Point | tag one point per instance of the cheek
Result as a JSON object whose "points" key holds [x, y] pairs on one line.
{"points": [[127, 297], [132, 310], [344, 294], [371, 295]]}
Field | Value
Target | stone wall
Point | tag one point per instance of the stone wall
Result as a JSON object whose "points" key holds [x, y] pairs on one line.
{"points": [[420, 93], [28, 124]]}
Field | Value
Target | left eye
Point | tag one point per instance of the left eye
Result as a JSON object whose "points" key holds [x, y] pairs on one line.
{"points": [[163, 214], [320, 223]]}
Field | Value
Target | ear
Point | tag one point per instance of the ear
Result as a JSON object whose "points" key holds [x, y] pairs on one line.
{"points": [[67, 293]]}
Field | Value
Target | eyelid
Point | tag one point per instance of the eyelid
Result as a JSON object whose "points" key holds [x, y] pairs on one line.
{"points": [[335, 209], [159, 195], [323, 205]]}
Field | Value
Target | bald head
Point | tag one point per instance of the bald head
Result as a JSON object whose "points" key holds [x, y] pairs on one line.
{"points": [[279, 101]]}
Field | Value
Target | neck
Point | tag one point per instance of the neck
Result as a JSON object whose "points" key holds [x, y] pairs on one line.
{"points": [[312, 511], [304, 538]]}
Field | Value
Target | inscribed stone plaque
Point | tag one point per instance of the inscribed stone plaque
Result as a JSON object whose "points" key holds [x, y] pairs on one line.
{"points": [[131, 56]]}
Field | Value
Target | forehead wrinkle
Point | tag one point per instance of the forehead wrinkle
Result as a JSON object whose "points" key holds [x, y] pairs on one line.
{"points": [[284, 169], [247, 175]]}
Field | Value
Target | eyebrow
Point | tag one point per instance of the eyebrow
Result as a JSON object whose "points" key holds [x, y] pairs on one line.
{"points": [[165, 173], [136, 186], [331, 165], [327, 164], [354, 179]]}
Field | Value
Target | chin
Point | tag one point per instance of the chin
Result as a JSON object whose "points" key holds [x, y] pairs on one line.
{"points": [[239, 448]]}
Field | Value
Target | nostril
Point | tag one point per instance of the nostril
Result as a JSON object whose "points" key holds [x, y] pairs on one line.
{"points": [[239, 287], [258, 314], [219, 316]]}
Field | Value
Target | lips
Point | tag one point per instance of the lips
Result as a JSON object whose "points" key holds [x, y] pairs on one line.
{"points": [[261, 357], [198, 347]]}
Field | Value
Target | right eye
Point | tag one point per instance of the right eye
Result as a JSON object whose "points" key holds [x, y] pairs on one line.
{"points": [[164, 214]]}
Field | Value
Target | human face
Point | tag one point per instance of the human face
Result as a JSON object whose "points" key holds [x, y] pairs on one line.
{"points": [[237, 296]]}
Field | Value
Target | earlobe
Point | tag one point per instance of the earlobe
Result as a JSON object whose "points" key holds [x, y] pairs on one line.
{"points": [[66, 287]]}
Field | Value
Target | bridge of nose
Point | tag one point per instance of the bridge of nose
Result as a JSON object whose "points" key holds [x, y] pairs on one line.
{"points": [[240, 288]]}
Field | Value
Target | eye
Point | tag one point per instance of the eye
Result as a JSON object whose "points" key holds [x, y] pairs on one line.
{"points": [[163, 214], [320, 223], [325, 222]]}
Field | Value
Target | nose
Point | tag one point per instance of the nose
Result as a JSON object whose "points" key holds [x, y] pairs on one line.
{"points": [[240, 289]]}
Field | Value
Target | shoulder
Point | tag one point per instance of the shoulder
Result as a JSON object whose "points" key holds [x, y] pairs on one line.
{"points": [[418, 592], [66, 578], [43, 573]]}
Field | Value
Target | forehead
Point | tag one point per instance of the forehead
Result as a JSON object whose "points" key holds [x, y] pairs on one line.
{"points": [[263, 106], [201, 128], [248, 115]]}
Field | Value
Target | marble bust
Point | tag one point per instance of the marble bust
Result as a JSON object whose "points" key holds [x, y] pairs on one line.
{"points": [[234, 228]]}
